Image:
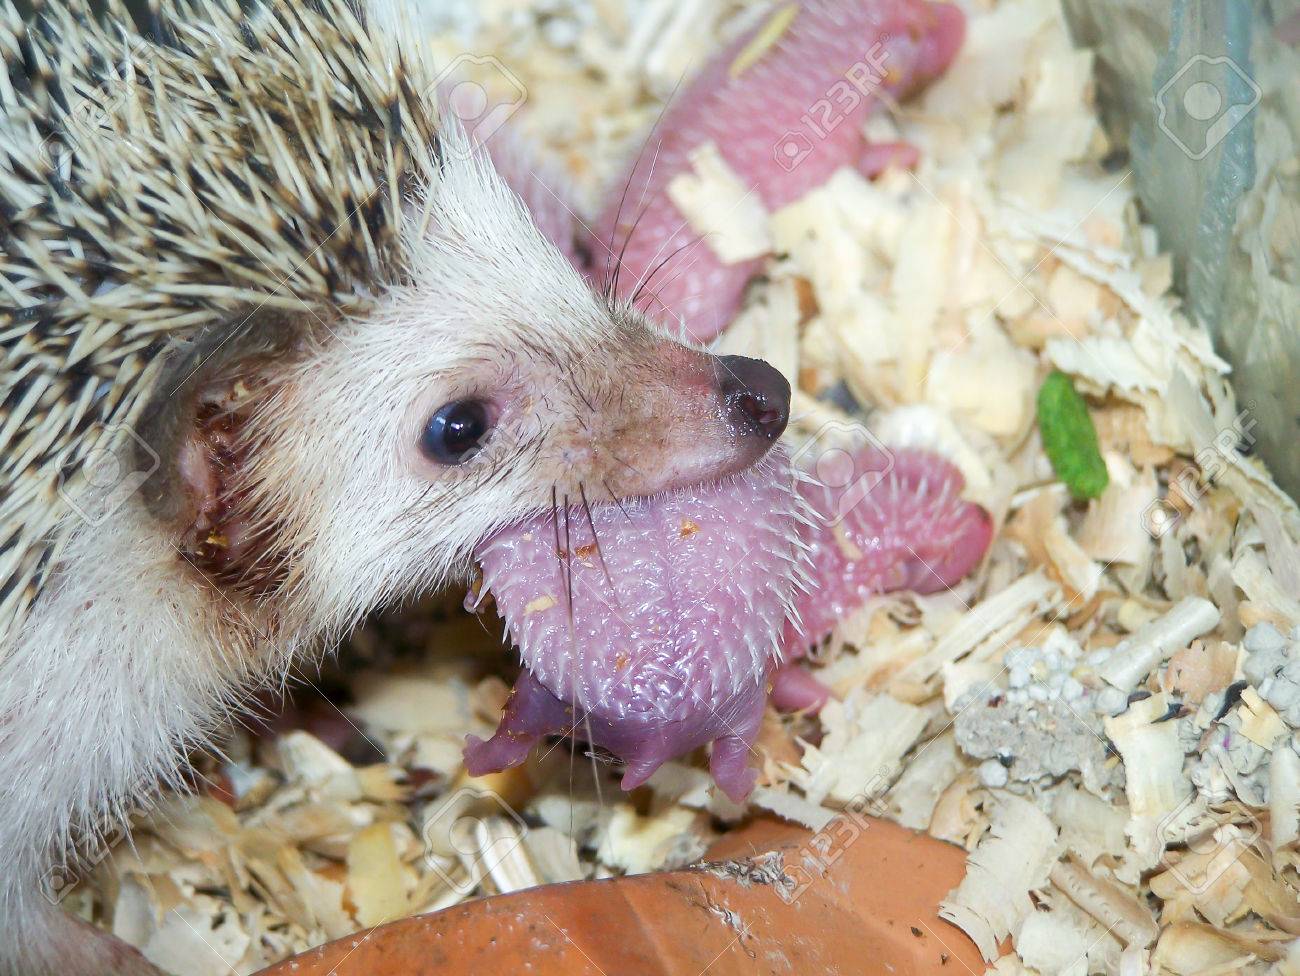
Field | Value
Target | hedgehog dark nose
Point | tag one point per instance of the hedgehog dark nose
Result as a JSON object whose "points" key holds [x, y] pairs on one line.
{"points": [[757, 397]]}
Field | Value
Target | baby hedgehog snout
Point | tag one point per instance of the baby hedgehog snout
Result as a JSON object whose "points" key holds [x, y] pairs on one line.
{"points": [[756, 395]]}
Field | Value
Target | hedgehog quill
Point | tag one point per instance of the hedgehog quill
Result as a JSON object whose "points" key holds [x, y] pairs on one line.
{"points": [[282, 348]]}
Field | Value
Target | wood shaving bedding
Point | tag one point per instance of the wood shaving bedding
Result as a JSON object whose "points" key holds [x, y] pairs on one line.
{"points": [[1157, 624]]}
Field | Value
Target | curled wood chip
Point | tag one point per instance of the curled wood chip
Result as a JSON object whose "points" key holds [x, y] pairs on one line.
{"points": [[320, 899], [1114, 530], [309, 761], [195, 938], [866, 737], [1090, 827], [498, 842], [1259, 722], [1284, 796], [1078, 574], [768, 329], [1060, 939], [1251, 572], [1013, 607], [957, 817], [792, 807], [1014, 858], [639, 843], [960, 380], [1188, 948], [1109, 904], [554, 854], [913, 798], [427, 699], [1109, 363], [1051, 942], [376, 880], [1203, 667]]}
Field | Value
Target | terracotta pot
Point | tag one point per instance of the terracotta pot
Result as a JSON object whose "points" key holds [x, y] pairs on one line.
{"points": [[871, 910]]}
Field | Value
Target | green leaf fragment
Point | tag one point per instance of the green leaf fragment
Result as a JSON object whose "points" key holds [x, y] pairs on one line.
{"points": [[1069, 437]]}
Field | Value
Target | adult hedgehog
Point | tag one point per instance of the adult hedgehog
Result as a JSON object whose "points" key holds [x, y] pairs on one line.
{"points": [[279, 348]]}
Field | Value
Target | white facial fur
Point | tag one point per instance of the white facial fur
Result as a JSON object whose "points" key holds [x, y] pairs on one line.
{"points": [[589, 401], [133, 655]]}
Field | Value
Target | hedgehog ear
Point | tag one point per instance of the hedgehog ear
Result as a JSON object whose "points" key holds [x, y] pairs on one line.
{"points": [[210, 475], [211, 382]]}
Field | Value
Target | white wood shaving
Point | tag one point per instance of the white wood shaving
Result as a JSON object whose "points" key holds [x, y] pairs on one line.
{"points": [[912, 799], [638, 843], [1089, 826], [1137, 655], [553, 854], [309, 761], [1065, 941], [792, 807], [1013, 859], [499, 842], [1153, 762], [1054, 944], [866, 737], [1117, 910], [727, 215], [1027, 597], [376, 877]]}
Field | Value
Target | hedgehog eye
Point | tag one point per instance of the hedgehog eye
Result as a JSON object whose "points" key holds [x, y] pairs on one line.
{"points": [[455, 432]]}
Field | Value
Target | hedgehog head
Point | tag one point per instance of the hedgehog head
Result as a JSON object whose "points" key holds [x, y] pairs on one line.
{"points": [[246, 259], [366, 462]]}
